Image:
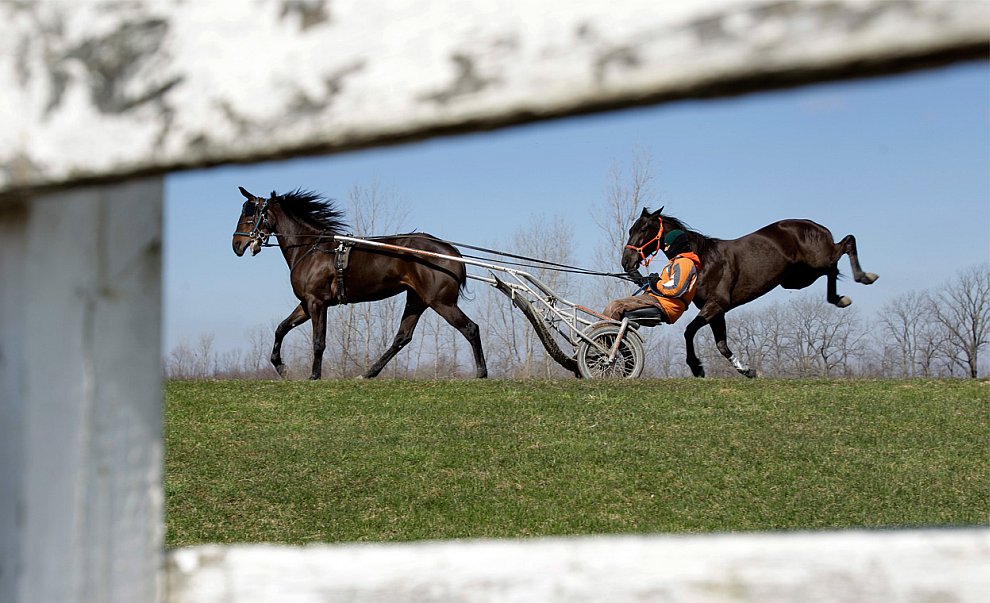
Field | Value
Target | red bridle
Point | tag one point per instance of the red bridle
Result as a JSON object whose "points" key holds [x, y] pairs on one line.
{"points": [[657, 239]]}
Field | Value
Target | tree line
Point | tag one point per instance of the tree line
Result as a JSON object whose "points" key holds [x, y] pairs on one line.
{"points": [[918, 334]]}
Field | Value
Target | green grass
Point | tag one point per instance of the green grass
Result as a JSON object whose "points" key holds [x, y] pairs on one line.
{"points": [[333, 461]]}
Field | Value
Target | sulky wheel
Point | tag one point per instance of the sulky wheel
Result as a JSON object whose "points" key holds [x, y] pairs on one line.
{"points": [[593, 363]]}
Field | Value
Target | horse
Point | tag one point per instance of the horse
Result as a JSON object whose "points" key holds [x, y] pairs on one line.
{"points": [[325, 272], [790, 253]]}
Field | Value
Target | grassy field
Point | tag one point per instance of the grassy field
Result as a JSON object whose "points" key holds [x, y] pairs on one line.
{"points": [[335, 461]]}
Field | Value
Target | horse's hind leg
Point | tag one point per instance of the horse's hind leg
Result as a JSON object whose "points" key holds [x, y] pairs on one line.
{"points": [[459, 320], [846, 246], [831, 294], [410, 317], [298, 317], [721, 342]]}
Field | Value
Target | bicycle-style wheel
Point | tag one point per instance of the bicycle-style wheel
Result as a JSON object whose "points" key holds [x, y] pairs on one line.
{"points": [[594, 363]]}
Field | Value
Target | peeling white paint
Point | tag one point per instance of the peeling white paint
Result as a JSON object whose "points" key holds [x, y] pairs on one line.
{"points": [[838, 567], [96, 89], [210, 82]]}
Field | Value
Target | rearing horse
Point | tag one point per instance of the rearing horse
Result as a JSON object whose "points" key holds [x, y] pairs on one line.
{"points": [[789, 253], [304, 223]]}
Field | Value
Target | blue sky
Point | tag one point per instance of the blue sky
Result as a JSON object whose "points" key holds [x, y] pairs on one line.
{"points": [[901, 162]]}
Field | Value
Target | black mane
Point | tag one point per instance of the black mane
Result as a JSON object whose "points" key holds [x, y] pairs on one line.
{"points": [[312, 209], [674, 223]]}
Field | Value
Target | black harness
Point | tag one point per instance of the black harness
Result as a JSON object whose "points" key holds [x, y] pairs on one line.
{"points": [[341, 256]]}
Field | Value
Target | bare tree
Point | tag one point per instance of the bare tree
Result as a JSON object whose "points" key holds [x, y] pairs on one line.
{"points": [[258, 363], [192, 362], [821, 341], [626, 194], [962, 308], [664, 352], [512, 348], [916, 340], [502, 329], [545, 238], [179, 364]]}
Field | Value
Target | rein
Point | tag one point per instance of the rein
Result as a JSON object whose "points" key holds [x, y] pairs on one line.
{"points": [[642, 256], [256, 234], [546, 264]]}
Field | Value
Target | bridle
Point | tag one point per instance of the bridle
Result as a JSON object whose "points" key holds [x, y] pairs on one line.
{"points": [[657, 239], [256, 234]]}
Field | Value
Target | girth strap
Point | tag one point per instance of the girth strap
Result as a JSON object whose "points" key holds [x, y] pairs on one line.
{"points": [[341, 257]]}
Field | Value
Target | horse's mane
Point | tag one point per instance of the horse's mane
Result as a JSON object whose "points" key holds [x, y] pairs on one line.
{"points": [[674, 223], [312, 209], [700, 240]]}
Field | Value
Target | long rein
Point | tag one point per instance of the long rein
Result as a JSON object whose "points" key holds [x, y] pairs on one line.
{"points": [[533, 262]]}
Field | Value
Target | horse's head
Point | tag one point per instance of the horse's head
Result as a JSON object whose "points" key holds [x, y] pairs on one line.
{"points": [[253, 228], [644, 240]]}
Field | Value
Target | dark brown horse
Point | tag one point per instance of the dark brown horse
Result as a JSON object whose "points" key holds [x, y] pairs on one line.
{"points": [[304, 223], [789, 253]]}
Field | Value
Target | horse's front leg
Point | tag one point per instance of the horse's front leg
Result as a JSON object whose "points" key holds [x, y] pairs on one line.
{"points": [[318, 314], [298, 316], [718, 330]]}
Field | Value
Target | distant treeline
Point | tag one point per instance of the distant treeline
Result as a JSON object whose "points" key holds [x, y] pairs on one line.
{"points": [[919, 334]]}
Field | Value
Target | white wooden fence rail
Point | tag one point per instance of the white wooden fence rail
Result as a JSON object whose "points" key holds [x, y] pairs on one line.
{"points": [[835, 567], [98, 99]]}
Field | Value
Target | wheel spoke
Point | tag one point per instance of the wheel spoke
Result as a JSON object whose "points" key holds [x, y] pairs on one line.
{"points": [[595, 362]]}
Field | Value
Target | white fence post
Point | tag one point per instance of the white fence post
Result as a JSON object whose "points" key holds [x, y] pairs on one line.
{"points": [[80, 419]]}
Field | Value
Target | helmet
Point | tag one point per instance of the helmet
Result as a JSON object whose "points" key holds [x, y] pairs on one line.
{"points": [[675, 242]]}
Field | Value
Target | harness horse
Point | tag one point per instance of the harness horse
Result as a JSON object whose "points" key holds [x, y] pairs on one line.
{"points": [[326, 270]]}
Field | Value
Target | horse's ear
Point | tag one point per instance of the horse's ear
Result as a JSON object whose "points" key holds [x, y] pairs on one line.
{"points": [[273, 196], [657, 212], [645, 214], [246, 194]]}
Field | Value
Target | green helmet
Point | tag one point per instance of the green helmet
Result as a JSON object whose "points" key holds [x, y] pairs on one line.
{"points": [[672, 236]]}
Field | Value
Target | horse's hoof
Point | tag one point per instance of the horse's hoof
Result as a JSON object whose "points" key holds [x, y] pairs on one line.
{"points": [[843, 302], [698, 371], [869, 278], [749, 373]]}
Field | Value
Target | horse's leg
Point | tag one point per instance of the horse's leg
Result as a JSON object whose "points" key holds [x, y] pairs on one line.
{"points": [[318, 314], [846, 246], [721, 342], [295, 319], [692, 359], [410, 317], [459, 320], [831, 294]]}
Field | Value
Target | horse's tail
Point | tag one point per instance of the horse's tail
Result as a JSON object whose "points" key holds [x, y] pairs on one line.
{"points": [[462, 283]]}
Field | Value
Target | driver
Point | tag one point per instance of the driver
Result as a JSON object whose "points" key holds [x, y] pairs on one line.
{"points": [[673, 289]]}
